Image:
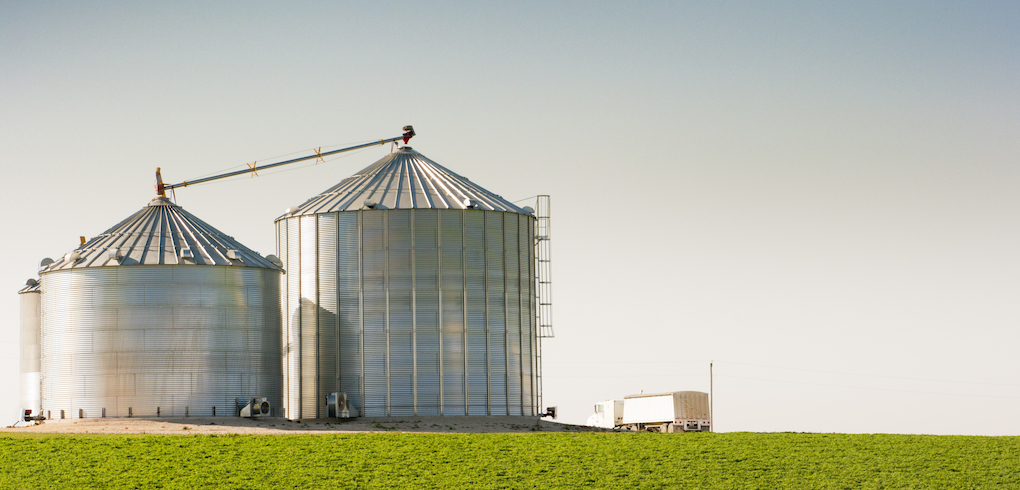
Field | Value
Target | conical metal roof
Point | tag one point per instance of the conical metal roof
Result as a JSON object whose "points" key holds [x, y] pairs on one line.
{"points": [[161, 233], [405, 179]]}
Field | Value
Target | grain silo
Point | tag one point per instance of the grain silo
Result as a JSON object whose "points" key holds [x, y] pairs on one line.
{"points": [[411, 289], [29, 342], [161, 315]]}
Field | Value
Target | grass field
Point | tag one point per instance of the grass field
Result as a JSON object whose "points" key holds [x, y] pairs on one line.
{"points": [[561, 460]]}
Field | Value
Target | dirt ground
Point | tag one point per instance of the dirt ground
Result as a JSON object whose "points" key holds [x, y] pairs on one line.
{"points": [[272, 425]]}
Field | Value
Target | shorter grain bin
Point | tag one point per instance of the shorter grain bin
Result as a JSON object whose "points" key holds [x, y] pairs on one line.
{"points": [[161, 315], [29, 297]]}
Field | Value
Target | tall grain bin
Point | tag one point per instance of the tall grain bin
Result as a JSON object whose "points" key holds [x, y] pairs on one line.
{"points": [[411, 289], [161, 315], [29, 341]]}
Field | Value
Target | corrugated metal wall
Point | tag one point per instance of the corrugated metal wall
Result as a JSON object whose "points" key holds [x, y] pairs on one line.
{"points": [[454, 340], [428, 353], [307, 321], [348, 294], [411, 312], [529, 337], [176, 338], [327, 307]]}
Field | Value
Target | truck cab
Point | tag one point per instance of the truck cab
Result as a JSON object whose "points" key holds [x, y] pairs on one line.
{"points": [[608, 414]]}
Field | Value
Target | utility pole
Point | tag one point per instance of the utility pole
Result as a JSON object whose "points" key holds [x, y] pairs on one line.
{"points": [[711, 399]]}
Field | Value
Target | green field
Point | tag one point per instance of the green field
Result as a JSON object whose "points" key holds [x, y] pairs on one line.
{"points": [[542, 460]]}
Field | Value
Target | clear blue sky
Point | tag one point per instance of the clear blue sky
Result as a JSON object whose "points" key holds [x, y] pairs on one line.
{"points": [[822, 197]]}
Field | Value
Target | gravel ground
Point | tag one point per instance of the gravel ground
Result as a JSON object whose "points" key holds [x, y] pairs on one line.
{"points": [[272, 425]]}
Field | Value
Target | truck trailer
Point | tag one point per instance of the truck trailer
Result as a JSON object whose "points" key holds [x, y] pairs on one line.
{"points": [[678, 411]]}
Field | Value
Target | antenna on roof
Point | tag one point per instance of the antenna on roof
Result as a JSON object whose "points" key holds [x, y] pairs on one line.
{"points": [[161, 188]]}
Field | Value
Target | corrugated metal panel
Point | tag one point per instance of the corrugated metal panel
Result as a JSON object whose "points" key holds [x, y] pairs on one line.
{"points": [[309, 319], [373, 272], [117, 355], [476, 325], [527, 280], [454, 360], [532, 323], [405, 179], [281, 250], [428, 388], [428, 351], [513, 315], [292, 344], [400, 308], [349, 301], [451, 236], [496, 312], [497, 353], [156, 235], [328, 360]]}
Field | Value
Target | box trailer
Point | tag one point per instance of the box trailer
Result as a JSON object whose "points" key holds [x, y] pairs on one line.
{"points": [[678, 411]]}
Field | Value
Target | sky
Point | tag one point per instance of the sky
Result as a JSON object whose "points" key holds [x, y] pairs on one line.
{"points": [[821, 199]]}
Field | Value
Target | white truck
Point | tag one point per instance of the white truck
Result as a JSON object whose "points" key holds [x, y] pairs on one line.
{"points": [[678, 411]]}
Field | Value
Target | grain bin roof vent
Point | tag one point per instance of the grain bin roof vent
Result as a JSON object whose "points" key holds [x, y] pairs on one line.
{"points": [[31, 286], [405, 179], [161, 233]]}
